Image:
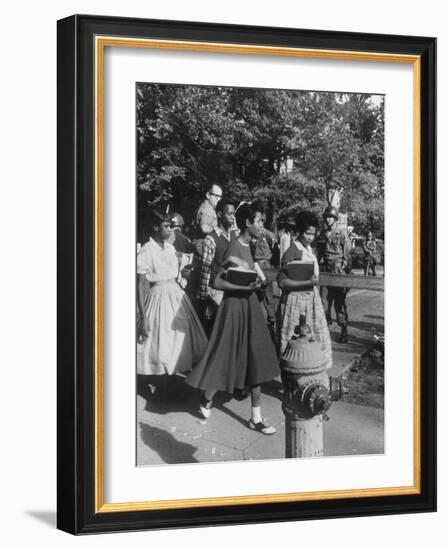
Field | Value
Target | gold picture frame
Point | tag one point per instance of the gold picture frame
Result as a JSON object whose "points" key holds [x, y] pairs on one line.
{"points": [[82, 44]]}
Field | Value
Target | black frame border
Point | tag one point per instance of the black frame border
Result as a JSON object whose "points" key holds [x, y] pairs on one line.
{"points": [[76, 261]]}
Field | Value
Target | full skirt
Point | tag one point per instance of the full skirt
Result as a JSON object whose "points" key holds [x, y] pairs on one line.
{"points": [[240, 353], [307, 303], [176, 339]]}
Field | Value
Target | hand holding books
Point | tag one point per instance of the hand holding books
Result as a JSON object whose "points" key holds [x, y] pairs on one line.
{"points": [[237, 278], [241, 276], [299, 276], [300, 270]]}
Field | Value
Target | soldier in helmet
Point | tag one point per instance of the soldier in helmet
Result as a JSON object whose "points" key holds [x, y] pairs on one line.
{"points": [[181, 242], [333, 250]]}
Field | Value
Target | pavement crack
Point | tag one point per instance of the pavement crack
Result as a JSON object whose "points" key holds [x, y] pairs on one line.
{"points": [[216, 442]]}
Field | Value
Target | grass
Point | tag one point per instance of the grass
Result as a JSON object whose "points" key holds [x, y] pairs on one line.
{"points": [[364, 380]]}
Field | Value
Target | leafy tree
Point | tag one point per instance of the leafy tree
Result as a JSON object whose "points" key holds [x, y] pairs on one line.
{"points": [[189, 137]]}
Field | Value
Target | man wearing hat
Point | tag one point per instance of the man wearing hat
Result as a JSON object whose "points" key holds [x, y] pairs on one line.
{"points": [[333, 249]]}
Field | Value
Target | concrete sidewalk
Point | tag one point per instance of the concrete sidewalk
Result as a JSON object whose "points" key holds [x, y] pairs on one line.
{"points": [[170, 429]]}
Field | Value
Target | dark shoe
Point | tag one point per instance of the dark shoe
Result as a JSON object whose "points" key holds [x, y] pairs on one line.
{"points": [[261, 427], [241, 395], [344, 336]]}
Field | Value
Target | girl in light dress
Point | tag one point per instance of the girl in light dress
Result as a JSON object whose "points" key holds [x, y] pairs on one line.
{"points": [[173, 337], [302, 297]]}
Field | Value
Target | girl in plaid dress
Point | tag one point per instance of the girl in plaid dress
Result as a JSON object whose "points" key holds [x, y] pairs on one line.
{"points": [[302, 297]]}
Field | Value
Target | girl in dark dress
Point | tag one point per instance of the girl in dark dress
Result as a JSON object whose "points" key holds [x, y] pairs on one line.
{"points": [[240, 353]]}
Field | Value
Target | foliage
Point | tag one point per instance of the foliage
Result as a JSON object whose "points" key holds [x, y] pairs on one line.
{"points": [[287, 148]]}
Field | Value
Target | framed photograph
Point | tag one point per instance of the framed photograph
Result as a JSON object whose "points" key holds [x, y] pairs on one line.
{"points": [[246, 274]]}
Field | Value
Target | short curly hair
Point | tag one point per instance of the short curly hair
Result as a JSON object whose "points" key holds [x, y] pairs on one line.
{"points": [[223, 203], [246, 211], [306, 219]]}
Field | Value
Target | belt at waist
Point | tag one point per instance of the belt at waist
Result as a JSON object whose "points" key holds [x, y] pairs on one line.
{"points": [[164, 282]]}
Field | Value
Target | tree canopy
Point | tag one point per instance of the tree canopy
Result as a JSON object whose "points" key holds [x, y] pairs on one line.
{"points": [[287, 148]]}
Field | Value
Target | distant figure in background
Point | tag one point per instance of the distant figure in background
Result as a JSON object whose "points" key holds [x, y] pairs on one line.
{"points": [[333, 248], [183, 247], [177, 237], [286, 233], [302, 297], [351, 235], [263, 246], [173, 339], [370, 254]]}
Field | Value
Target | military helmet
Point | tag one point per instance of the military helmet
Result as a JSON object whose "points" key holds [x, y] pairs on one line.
{"points": [[331, 212], [177, 220]]}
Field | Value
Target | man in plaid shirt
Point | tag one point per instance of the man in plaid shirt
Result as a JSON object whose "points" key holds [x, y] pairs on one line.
{"points": [[214, 248]]}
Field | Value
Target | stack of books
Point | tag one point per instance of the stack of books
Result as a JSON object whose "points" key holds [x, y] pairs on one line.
{"points": [[241, 276], [300, 270]]}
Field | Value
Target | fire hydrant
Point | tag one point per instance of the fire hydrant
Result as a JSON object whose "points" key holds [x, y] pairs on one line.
{"points": [[308, 393]]}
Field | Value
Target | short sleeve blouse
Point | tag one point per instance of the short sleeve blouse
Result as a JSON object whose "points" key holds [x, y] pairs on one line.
{"points": [[239, 254], [157, 263]]}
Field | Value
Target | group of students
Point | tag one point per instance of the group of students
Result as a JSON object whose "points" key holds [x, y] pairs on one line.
{"points": [[212, 330]]}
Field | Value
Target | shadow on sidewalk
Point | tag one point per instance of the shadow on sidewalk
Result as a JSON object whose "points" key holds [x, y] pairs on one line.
{"points": [[356, 342], [180, 397], [176, 397], [170, 450], [368, 326], [221, 406], [274, 389]]}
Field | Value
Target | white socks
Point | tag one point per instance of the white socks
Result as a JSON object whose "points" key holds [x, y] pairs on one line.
{"points": [[256, 415]]}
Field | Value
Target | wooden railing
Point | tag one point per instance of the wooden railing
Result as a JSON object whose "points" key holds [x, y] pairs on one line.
{"points": [[352, 281]]}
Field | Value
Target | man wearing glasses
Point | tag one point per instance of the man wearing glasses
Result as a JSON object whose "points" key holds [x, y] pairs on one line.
{"points": [[206, 219]]}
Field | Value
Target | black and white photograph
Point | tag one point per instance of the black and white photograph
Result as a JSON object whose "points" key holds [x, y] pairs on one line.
{"points": [[260, 273], [220, 309]]}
